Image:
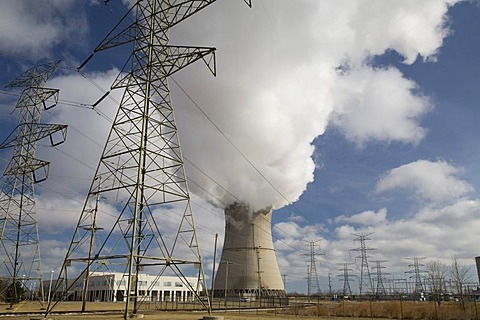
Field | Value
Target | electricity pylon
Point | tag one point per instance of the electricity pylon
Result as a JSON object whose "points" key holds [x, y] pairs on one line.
{"points": [[380, 286], [312, 275], [417, 274], [140, 180], [347, 290], [20, 245], [365, 277]]}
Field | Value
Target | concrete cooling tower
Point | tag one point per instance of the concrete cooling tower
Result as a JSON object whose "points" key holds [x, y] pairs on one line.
{"points": [[248, 259]]}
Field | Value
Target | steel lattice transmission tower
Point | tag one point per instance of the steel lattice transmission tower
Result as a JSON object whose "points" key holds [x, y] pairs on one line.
{"points": [[417, 274], [347, 290], [365, 276], [140, 178], [20, 245], [312, 275], [380, 286]]}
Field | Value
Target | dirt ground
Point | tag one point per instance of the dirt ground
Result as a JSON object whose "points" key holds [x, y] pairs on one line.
{"points": [[353, 310], [173, 316], [33, 311], [168, 315]]}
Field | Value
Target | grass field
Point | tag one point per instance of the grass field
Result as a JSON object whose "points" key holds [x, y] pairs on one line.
{"points": [[104, 311], [323, 310]]}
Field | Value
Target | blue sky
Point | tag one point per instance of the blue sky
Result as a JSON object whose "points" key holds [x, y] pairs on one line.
{"points": [[362, 113]]}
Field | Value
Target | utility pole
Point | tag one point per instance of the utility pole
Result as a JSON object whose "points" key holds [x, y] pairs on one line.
{"points": [[19, 238], [93, 229], [284, 276], [141, 174], [365, 277], [227, 263], [312, 275], [212, 293], [330, 284], [259, 270]]}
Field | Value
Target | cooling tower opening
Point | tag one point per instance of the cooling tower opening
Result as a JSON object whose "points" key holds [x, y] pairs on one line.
{"points": [[248, 266]]}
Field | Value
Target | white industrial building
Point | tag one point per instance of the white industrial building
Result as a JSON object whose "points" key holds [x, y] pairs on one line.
{"points": [[112, 287]]}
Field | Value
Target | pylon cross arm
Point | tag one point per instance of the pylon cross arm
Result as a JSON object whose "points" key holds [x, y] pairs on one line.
{"points": [[35, 77], [35, 164], [33, 96], [39, 131], [179, 57], [182, 56], [125, 31]]}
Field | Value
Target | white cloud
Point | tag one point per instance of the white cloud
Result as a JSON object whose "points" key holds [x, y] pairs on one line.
{"points": [[378, 104], [439, 233], [278, 86], [365, 218], [410, 27], [73, 163], [53, 253], [275, 92], [284, 99], [434, 233], [57, 214], [427, 180], [294, 230], [291, 242], [33, 28]]}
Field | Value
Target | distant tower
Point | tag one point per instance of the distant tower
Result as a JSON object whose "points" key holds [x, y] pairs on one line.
{"points": [[397, 285], [477, 262], [366, 285], [380, 286], [417, 274], [329, 284], [20, 246], [312, 275], [139, 194], [248, 266], [347, 290]]}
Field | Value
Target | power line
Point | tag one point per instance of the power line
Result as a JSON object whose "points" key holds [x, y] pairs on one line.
{"points": [[250, 162], [142, 162], [90, 107], [78, 160], [322, 231]]}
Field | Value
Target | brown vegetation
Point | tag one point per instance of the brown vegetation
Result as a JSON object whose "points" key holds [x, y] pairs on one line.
{"points": [[390, 310], [325, 309]]}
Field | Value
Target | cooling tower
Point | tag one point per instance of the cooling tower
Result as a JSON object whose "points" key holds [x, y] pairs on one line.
{"points": [[248, 259], [477, 261]]}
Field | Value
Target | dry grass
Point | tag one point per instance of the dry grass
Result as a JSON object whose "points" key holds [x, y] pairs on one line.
{"points": [[33, 310], [326, 310], [390, 310], [175, 316]]}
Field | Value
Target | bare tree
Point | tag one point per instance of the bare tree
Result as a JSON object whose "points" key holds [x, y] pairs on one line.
{"points": [[4, 284], [436, 274], [461, 276]]}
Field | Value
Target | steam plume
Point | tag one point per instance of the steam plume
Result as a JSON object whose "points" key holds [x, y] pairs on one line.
{"points": [[294, 77]]}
